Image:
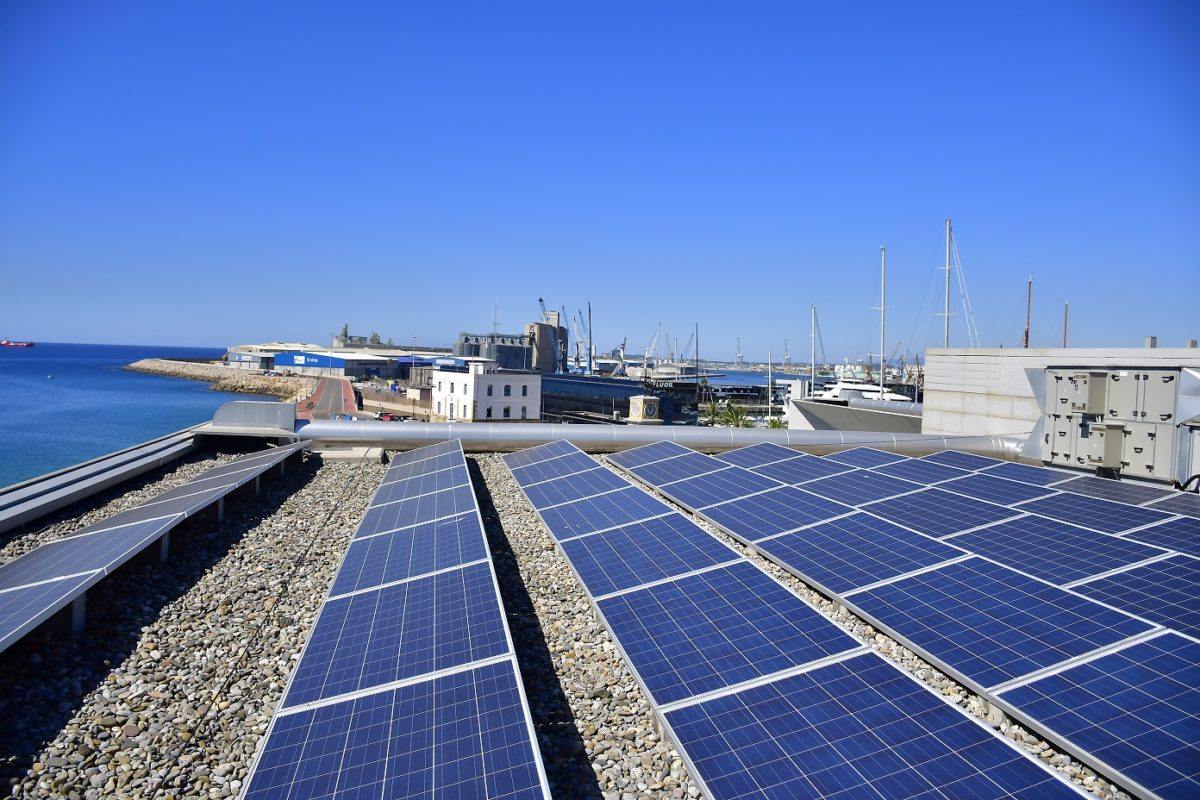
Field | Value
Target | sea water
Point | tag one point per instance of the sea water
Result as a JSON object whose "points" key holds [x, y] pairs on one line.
{"points": [[61, 404]]}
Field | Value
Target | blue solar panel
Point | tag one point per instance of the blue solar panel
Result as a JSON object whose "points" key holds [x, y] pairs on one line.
{"points": [[967, 461], [776, 511], [921, 471], [716, 629], [939, 513], [1053, 550], [717, 487], [647, 453], [604, 511], [678, 468], [1166, 591], [1091, 512], [422, 484], [554, 468], [865, 457], [461, 735], [404, 471], [429, 451], [1137, 710], [23, 608], [991, 624], [573, 487], [1117, 491], [400, 631], [103, 550], [542, 452], [426, 508], [1186, 503], [1025, 473], [407, 553], [644, 552], [757, 454], [983, 486], [855, 551], [803, 468], [856, 728], [860, 486], [1177, 534]]}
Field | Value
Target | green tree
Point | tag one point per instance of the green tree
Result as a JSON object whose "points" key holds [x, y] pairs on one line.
{"points": [[712, 413], [776, 423], [734, 416]]}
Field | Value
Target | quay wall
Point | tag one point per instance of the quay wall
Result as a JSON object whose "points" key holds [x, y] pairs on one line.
{"points": [[288, 388]]}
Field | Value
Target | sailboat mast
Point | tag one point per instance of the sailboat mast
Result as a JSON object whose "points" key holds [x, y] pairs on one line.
{"points": [[1066, 316], [1028, 305], [946, 322], [591, 347], [769, 398], [882, 310], [812, 374]]}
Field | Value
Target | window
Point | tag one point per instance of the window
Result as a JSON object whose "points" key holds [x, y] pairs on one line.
{"points": [[439, 386], [525, 391], [451, 387], [507, 412], [489, 391], [523, 414], [439, 410], [487, 412], [507, 390]]}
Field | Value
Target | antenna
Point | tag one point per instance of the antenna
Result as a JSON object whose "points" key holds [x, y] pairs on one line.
{"points": [[1028, 305]]}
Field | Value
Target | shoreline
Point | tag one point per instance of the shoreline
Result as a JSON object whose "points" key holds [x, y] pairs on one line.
{"points": [[289, 389]]}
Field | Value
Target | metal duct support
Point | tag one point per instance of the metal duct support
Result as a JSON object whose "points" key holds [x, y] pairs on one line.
{"points": [[500, 438]]}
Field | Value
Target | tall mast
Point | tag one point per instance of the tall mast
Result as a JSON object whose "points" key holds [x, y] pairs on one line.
{"points": [[589, 337], [1028, 305], [1066, 316], [882, 310], [946, 322], [812, 375], [769, 403], [697, 329]]}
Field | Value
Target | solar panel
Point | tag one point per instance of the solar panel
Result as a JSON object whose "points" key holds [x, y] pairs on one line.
{"points": [[461, 735], [644, 552], [181, 505], [25, 607], [571, 487], [554, 468], [1117, 491], [677, 468], [991, 624], [865, 457], [717, 487], [637, 456], [1182, 534], [1091, 512], [921, 471], [1166, 592], [407, 553], [855, 728], [425, 508], [757, 454], [1029, 474], [939, 513], [87, 552], [401, 631], [600, 512], [775, 511], [855, 551], [802, 468], [1186, 503], [1053, 550], [554, 449], [715, 629], [404, 471], [422, 484], [1135, 710], [957, 458], [982, 486], [860, 486]]}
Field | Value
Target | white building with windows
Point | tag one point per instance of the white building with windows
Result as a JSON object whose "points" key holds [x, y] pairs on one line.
{"points": [[479, 391]]}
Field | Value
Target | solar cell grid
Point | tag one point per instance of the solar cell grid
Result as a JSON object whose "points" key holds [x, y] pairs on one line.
{"points": [[600, 512], [461, 735], [939, 513], [23, 608], [757, 454], [87, 553], [400, 631], [1053, 550], [957, 458], [421, 453], [678, 468], [422, 484], [425, 508], [262, 460], [715, 629], [860, 486], [637, 456], [921, 471], [1092, 512], [991, 624], [573, 487], [802, 468], [186, 505], [644, 552], [554, 468], [1182, 534], [1166, 592], [865, 457], [523, 458], [982, 486], [1186, 503], [772, 512], [415, 551], [404, 471], [856, 551], [1137, 710], [1117, 491], [855, 728], [1027, 473], [717, 487]]}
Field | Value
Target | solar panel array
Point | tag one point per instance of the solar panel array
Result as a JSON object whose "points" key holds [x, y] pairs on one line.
{"points": [[764, 696], [408, 684], [1021, 581], [41, 582]]}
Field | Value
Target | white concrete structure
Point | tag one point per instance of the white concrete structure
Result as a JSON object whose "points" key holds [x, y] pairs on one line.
{"points": [[985, 391], [482, 392]]}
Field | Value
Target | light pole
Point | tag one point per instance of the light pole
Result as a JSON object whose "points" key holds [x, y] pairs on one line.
{"points": [[331, 336]]}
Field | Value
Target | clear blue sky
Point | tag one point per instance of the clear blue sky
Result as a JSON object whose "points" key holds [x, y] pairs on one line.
{"points": [[221, 172]]}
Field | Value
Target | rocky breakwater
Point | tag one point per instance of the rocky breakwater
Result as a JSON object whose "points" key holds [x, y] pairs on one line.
{"points": [[289, 388]]}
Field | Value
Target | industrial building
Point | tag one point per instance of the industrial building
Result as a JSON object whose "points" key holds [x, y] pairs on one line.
{"points": [[478, 390]]}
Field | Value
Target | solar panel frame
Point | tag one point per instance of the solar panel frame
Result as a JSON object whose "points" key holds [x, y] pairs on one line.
{"points": [[601, 512], [678, 468], [1117, 491], [403, 471], [773, 512], [803, 468], [421, 509], [920, 470], [939, 513], [1027, 473], [588, 483], [757, 455], [532, 455], [551, 468], [1185, 503], [647, 453], [1166, 591], [994, 489], [717, 487], [25, 607], [865, 457], [1181, 534], [957, 458], [1090, 512], [430, 482], [861, 486], [102, 551]]}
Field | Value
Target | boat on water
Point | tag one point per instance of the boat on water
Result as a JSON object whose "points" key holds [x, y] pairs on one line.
{"points": [[845, 389], [10, 343], [663, 371]]}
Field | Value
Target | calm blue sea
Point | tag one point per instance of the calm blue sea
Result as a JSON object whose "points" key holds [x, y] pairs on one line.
{"points": [[91, 406]]}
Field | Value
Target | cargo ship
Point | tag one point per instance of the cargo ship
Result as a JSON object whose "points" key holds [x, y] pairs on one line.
{"points": [[7, 343]]}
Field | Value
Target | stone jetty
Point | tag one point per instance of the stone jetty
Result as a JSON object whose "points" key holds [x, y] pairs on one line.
{"points": [[289, 388]]}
